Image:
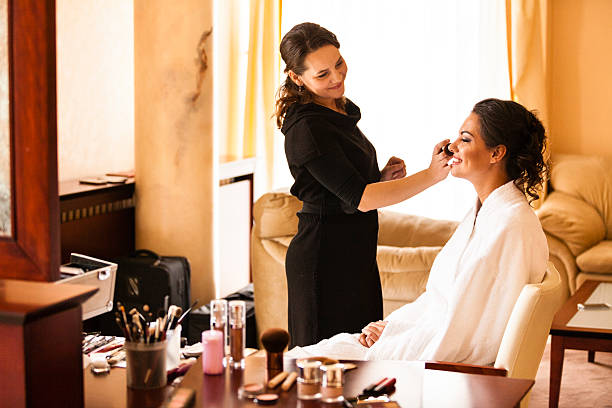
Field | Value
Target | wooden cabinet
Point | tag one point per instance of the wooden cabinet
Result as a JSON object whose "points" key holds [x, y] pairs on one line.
{"points": [[40, 344], [96, 220]]}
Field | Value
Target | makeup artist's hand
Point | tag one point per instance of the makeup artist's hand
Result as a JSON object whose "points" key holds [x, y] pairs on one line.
{"points": [[393, 170], [439, 168], [371, 333]]}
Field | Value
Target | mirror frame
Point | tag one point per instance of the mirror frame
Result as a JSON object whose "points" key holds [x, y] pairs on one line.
{"points": [[32, 252]]}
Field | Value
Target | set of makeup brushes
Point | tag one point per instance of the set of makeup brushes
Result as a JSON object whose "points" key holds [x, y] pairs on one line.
{"points": [[143, 327]]}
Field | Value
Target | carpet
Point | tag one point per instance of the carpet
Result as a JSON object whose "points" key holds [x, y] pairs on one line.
{"points": [[583, 384]]}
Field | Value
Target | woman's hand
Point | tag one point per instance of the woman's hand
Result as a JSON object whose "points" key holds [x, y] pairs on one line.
{"points": [[439, 168], [393, 170], [371, 333]]}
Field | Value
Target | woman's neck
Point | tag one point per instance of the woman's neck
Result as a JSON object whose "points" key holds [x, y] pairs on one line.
{"points": [[330, 104], [485, 187]]}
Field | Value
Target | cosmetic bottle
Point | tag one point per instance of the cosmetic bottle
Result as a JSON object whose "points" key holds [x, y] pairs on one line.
{"points": [[332, 382], [309, 380], [218, 320], [212, 352], [237, 322]]}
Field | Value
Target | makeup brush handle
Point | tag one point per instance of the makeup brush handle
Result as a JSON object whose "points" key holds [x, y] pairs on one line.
{"points": [[289, 381], [273, 383]]}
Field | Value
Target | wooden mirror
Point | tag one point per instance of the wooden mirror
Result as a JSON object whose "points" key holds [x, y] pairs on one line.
{"points": [[29, 248]]}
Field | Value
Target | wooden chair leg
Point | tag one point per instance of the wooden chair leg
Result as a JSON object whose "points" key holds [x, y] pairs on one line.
{"points": [[557, 352], [591, 356]]}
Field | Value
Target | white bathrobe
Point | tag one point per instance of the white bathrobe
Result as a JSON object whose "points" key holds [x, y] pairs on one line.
{"points": [[473, 285]]}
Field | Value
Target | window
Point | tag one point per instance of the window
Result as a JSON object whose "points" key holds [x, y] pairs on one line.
{"points": [[415, 68]]}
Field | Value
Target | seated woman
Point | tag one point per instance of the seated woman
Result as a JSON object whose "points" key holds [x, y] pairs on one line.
{"points": [[496, 250]]}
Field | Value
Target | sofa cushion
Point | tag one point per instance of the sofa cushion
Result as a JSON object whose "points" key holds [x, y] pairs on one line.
{"points": [[572, 220], [597, 259], [404, 271], [405, 230], [588, 178], [276, 215]]}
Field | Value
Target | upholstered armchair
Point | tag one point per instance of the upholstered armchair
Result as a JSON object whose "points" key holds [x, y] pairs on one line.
{"points": [[407, 246], [524, 340], [577, 218]]}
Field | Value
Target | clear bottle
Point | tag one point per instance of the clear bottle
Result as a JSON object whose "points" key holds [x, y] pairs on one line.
{"points": [[237, 332], [218, 320]]}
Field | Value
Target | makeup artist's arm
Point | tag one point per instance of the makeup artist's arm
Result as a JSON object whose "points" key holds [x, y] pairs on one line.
{"points": [[385, 193]]}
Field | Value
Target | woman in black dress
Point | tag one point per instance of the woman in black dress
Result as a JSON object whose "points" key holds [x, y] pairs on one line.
{"points": [[332, 275]]}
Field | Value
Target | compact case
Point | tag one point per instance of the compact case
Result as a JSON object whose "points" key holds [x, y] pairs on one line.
{"points": [[85, 270]]}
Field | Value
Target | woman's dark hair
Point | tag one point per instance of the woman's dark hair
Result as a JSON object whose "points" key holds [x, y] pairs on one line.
{"points": [[300, 41], [508, 123]]}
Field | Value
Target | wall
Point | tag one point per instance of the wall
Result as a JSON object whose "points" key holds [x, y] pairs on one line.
{"points": [[175, 181], [581, 84], [95, 86]]}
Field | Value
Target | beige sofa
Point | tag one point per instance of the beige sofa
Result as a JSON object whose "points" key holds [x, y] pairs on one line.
{"points": [[577, 218], [407, 247]]}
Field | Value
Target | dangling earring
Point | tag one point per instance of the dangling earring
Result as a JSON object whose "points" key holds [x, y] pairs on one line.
{"points": [[300, 89]]}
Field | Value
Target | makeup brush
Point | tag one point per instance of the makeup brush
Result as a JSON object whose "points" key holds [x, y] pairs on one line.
{"points": [[447, 151], [274, 341]]}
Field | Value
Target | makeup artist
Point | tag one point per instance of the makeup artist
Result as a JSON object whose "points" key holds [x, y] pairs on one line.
{"points": [[332, 275]]}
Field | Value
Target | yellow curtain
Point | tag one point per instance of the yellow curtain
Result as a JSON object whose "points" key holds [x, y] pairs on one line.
{"points": [[527, 27], [528, 56], [262, 81]]}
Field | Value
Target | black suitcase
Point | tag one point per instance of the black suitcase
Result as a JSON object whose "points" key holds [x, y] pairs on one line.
{"points": [[144, 277]]}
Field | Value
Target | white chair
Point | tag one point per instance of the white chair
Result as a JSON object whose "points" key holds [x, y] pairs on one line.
{"points": [[526, 334]]}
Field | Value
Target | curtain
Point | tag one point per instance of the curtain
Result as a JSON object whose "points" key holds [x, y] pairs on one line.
{"points": [[247, 61], [527, 31], [528, 57], [261, 84]]}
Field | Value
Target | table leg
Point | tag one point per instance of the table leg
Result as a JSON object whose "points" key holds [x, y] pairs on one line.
{"points": [[591, 356], [557, 351]]}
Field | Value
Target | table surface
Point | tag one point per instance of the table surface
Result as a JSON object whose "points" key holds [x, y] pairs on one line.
{"points": [[570, 308], [415, 386]]}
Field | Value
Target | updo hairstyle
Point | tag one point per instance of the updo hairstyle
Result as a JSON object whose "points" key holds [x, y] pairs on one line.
{"points": [[508, 123]]}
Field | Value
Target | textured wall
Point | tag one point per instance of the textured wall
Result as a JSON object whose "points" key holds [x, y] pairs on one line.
{"points": [[95, 86], [581, 84], [173, 132]]}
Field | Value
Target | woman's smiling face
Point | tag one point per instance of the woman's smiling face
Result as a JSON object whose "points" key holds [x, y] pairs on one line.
{"points": [[471, 158], [325, 73]]}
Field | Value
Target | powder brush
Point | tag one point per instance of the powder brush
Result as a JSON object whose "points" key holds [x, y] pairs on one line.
{"points": [[274, 341]]}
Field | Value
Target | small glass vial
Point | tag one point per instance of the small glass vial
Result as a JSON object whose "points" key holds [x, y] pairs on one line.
{"points": [[332, 382], [237, 323], [218, 320], [309, 380]]}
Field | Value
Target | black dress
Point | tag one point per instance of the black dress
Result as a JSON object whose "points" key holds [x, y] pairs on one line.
{"points": [[332, 275]]}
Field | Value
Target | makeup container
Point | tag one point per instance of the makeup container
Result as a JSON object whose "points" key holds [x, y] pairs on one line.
{"points": [[250, 391], [145, 365], [332, 382], [173, 348], [309, 380], [212, 352], [218, 319], [237, 323], [266, 399]]}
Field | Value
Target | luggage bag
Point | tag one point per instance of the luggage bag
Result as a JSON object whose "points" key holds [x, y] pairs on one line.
{"points": [[144, 277]]}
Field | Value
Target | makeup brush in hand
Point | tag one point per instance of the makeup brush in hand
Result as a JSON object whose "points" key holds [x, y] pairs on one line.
{"points": [[274, 341]]}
